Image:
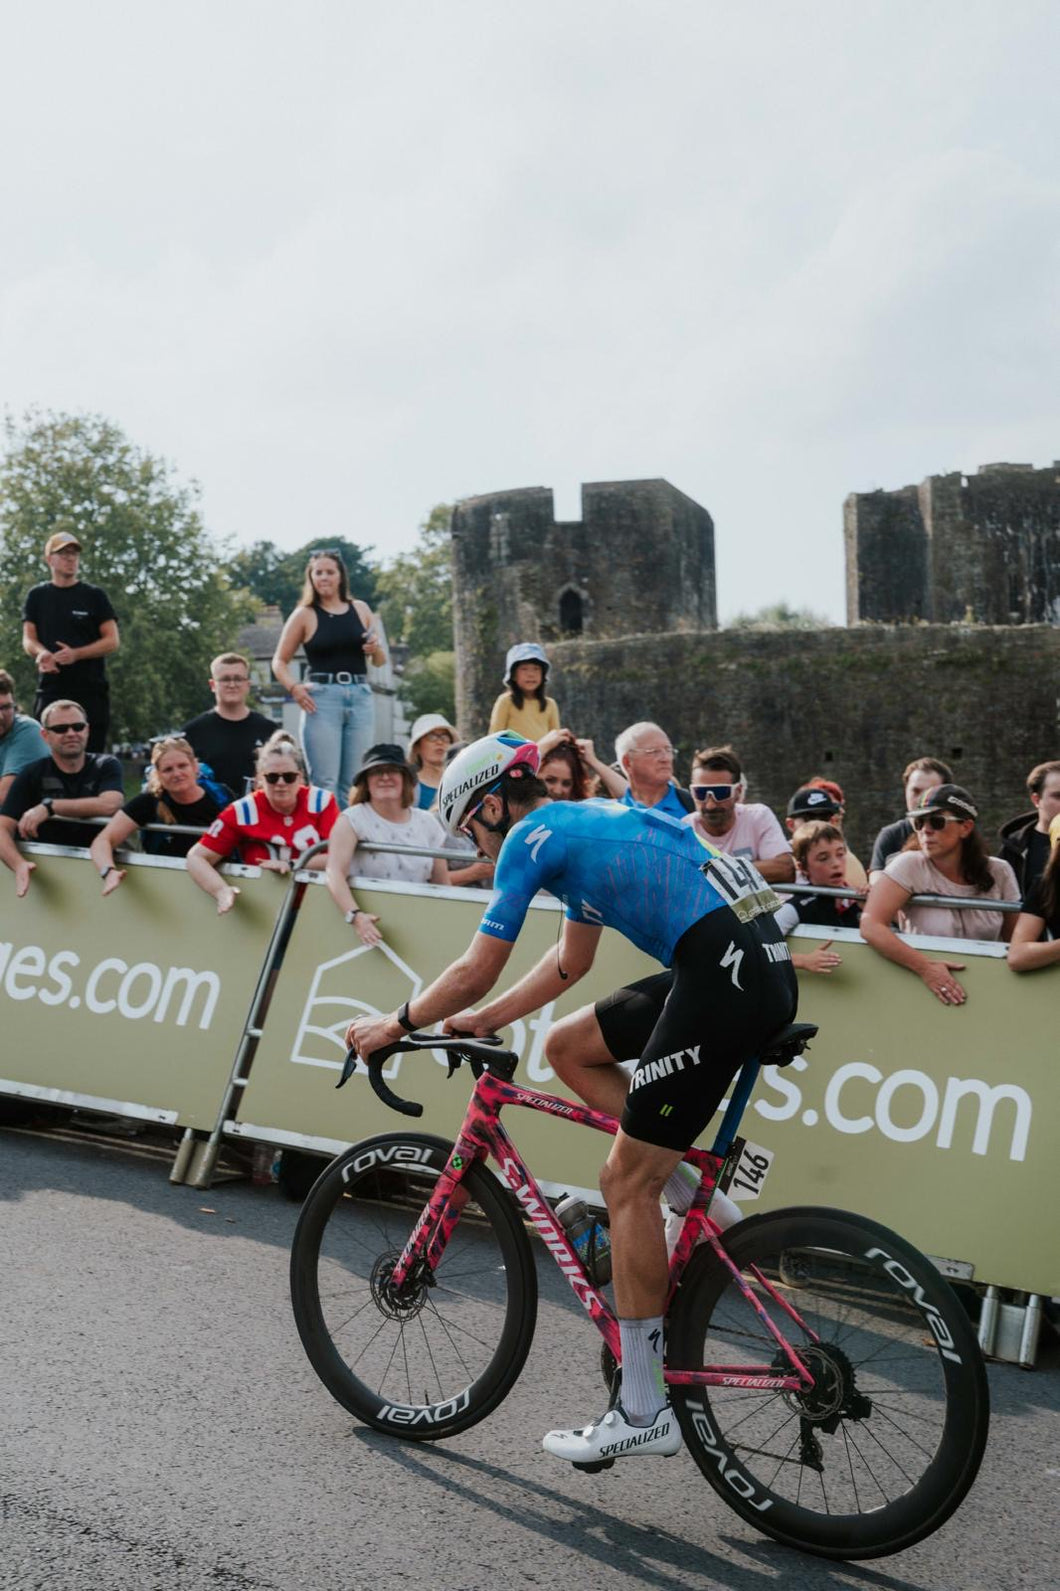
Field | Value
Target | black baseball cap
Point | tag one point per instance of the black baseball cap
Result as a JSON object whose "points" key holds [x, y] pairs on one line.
{"points": [[952, 798], [810, 801]]}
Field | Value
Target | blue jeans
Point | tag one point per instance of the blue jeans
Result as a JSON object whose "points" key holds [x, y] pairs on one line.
{"points": [[336, 737]]}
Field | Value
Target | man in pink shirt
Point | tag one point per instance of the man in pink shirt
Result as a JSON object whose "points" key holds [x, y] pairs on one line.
{"points": [[738, 827]]}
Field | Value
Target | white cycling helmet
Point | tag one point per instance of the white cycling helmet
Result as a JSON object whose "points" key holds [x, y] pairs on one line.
{"points": [[477, 770]]}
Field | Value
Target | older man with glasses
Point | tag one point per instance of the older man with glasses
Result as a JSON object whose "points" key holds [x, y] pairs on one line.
{"points": [[71, 782], [229, 736], [646, 757]]}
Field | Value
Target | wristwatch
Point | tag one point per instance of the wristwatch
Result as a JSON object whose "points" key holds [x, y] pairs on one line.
{"points": [[405, 1020], [354, 911], [48, 803]]}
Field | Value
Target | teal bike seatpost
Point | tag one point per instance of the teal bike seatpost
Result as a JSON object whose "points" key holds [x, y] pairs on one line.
{"points": [[737, 1104]]}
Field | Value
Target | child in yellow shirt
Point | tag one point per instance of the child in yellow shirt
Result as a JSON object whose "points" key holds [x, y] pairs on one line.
{"points": [[523, 707]]}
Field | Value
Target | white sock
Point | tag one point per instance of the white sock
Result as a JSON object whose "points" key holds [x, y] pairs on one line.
{"points": [[643, 1387], [681, 1187]]}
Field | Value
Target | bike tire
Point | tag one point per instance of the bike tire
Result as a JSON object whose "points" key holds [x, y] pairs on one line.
{"points": [[886, 1446], [442, 1356]]}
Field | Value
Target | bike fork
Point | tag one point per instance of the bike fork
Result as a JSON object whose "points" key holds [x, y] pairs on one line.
{"points": [[428, 1238]]}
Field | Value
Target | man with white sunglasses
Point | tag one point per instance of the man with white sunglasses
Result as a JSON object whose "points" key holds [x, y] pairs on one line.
{"points": [[747, 829]]}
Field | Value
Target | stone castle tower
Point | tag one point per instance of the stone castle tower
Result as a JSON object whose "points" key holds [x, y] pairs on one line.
{"points": [[640, 561], [981, 548]]}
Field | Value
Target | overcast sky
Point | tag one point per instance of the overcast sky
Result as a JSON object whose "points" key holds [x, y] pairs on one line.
{"points": [[340, 262]]}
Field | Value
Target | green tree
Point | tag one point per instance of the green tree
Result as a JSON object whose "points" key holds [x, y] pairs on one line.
{"points": [[428, 685], [778, 616], [275, 576], [143, 541], [416, 591]]}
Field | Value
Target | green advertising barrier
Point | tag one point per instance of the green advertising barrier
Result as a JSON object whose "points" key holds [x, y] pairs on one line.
{"points": [[328, 977], [133, 1004], [941, 1122]]}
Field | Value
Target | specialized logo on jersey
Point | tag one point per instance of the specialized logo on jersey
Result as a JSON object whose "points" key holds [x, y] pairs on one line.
{"points": [[536, 839]]}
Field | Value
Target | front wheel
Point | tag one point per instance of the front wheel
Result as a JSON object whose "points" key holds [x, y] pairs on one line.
{"points": [[437, 1355], [888, 1441]]}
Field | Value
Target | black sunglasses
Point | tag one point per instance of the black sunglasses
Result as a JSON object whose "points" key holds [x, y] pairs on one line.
{"points": [[933, 820], [73, 728], [281, 778]]}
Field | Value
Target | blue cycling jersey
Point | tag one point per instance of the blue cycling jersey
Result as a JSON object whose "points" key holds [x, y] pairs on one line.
{"points": [[630, 868]]}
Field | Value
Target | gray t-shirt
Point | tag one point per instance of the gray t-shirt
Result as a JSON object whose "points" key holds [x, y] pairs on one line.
{"points": [[24, 743]]}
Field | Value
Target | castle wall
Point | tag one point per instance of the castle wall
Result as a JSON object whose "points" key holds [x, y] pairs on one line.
{"points": [[640, 559], [983, 547], [855, 705], [886, 556]]}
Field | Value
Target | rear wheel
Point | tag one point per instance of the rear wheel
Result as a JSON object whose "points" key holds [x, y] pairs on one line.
{"points": [[438, 1354], [885, 1445]]}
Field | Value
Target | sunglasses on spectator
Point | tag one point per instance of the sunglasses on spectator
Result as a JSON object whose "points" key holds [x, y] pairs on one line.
{"points": [[281, 778], [74, 727], [655, 751], [934, 820], [720, 792], [231, 679]]}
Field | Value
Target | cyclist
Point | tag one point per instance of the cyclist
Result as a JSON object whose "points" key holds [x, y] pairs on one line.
{"points": [[707, 916]]}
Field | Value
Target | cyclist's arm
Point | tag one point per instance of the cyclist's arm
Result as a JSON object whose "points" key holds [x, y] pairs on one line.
{"points": [[560, 967], [460, 985]]}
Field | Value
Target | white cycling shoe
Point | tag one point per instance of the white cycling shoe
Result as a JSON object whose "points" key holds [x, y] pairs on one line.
{"points": [[722, 1210], [611, 1436]]}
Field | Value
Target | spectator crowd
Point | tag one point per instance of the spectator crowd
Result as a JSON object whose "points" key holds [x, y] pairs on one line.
{"points": [[231, 786]]}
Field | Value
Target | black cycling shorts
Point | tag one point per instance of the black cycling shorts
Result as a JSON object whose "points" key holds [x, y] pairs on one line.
{"points": [[731, 987]]}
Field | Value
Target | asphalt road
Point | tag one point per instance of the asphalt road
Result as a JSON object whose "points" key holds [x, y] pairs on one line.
{"points": [[162, 1429]]}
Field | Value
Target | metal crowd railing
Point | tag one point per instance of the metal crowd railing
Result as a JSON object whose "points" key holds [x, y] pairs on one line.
{"points": [[959, 902]]}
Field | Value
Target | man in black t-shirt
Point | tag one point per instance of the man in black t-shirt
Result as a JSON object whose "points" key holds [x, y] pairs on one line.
{"points": [[68, 628], [230, 735], [70, 783], [1025, 840], [920, 776]]}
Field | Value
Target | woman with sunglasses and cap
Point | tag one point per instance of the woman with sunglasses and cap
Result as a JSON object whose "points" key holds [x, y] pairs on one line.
{"points": [[430, 743], [382, 809], [945, 855], [271, 828]]}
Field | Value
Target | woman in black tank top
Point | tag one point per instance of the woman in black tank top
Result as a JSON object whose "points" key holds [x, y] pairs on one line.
{"points": [[340, 637]]}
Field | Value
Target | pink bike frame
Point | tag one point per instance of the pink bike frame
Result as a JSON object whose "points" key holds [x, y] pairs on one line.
{"points": [[481, 1134]]}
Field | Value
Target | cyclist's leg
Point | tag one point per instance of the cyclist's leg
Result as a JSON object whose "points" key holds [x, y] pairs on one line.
{"points": [[584, 1048]]}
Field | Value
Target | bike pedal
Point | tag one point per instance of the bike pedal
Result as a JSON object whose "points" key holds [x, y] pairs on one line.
{"points": [[598, 1464]]}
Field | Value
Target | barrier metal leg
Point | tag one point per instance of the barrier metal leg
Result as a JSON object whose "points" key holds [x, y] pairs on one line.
{"points": [[183, 1156], [988, 1317], [1032, 1326], [203, 1156]]}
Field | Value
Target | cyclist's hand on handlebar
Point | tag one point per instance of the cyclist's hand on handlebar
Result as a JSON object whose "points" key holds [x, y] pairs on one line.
{"points": [[468, 1024], [369, 1033], [938, 975]]}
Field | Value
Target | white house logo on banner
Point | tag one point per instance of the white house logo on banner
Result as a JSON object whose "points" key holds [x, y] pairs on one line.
{"points": [[330, 1008]]}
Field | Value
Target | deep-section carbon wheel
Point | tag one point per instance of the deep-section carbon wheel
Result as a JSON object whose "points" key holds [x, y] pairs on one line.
{"points": [[436, 1355], [883, 1447]]}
